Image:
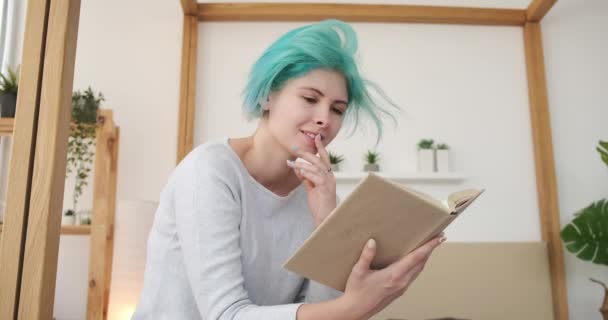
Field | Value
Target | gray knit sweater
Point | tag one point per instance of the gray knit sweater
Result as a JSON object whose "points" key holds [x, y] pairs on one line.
{"points": [[218, 242]]}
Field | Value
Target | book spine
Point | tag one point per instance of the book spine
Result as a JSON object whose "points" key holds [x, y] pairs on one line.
{"points": [[434, 232]]}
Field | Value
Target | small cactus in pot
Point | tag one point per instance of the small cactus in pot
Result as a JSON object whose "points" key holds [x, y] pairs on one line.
{"points": [[334, 160], [371, 161]]}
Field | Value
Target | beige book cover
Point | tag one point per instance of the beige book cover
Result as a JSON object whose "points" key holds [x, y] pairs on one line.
{"points": [[400, 219]]}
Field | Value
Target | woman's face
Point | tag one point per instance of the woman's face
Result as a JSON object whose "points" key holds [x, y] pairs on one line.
{"points": [[306, 106]]}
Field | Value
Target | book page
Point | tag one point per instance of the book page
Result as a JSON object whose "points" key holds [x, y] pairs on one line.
{"points": [[438, 203], [458, 199]]}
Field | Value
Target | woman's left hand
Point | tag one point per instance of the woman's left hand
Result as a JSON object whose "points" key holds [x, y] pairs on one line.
{"points": [[318, 179]]}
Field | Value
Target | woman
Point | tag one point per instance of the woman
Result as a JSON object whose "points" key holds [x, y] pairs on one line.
{"points": [[234, 210]]}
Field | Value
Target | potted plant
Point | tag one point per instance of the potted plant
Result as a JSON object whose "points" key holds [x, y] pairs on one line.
{"points": [[371, 159], [85, 221], [586, 236], [426, 156], [442, 157], [68, 218], [334, 160], [81, 143], [83, 216], [8, 93]]}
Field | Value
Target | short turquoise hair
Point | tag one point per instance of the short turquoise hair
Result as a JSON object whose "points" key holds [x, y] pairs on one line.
{"points": [[329, 44]]}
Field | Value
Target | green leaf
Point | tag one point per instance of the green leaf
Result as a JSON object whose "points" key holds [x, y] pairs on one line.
{"points": [[586, 235], [603, 150]]}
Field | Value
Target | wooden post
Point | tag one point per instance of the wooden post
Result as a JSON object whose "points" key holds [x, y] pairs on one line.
{"points": [[104, 207], [185, 125], [37, 292], [22, 158], [538, 9], [189, 7], [546, 184]]}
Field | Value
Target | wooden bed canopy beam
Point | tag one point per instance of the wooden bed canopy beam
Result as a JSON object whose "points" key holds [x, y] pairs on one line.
{"points": [[544, 163], [189, 7], [187, 87], [358, 13], [538, 9]]}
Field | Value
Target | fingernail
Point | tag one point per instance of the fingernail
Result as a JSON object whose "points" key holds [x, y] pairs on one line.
{"points": [[294, 148], [318, 137], [371, 243], [290, 163], [302, 171], [442, 239]]}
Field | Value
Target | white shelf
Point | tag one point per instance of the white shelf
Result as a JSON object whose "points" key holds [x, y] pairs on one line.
{"points": [[435, 177]]}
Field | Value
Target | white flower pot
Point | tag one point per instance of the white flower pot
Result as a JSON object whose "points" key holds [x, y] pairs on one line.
{"points": [[426, 160], [371, 167], [68, 220], [443, 160]]}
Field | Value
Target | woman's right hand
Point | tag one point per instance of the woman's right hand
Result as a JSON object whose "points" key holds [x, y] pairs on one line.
{"points": [[369, 291]]}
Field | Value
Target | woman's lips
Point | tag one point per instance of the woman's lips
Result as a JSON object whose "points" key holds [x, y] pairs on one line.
{"points": [[309, 139]]}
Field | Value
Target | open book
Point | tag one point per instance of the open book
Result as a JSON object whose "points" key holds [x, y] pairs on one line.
{"points": [[398, 218]]}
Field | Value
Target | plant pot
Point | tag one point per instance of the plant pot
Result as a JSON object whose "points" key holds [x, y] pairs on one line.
{"points": [[68, 220], [442, 158], [8, 103], [371, 167], [335, 167], [82, 215], [426, 160]]}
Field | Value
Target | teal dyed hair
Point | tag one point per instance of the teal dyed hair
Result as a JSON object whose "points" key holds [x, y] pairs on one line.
{"points": [[329, 44]]}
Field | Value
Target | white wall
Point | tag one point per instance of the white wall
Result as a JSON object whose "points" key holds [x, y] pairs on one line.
{"points": [[130, 50], [464, 85]]}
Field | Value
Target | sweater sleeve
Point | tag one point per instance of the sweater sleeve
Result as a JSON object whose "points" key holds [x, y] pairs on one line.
{"points": [[208, 213], [314, 292]]}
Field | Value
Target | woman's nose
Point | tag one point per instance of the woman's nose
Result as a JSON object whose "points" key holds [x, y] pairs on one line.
{"points": [[322, 117]]}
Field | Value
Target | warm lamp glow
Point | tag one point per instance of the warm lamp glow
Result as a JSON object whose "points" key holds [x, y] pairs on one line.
{"points": [[126, 313], [133, 222]]}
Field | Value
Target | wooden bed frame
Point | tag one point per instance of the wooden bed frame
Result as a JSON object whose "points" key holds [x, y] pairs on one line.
{"points": [[30, 239], [529, 19]]}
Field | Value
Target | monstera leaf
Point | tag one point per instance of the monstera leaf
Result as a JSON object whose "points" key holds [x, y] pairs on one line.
{"points": [[587, 235]]}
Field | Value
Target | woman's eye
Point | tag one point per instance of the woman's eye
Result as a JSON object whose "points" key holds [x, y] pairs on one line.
{"points": [[338, 111], [310, 100]]}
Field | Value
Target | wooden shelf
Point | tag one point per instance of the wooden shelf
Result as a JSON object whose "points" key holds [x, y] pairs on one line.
{"points": [[6, 126], [436, 177], [70, 230]]}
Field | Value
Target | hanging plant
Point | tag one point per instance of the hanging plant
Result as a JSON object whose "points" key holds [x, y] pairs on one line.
{"points": [[81, 143]]}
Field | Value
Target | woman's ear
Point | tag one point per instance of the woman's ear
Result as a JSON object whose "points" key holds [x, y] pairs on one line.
{"points": [[269, 101]]}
